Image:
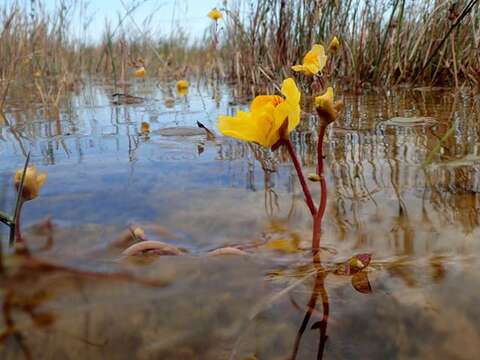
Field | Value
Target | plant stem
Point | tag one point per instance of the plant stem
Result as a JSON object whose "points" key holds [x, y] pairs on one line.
{"points": [[303, 183], [18, 232], [318, 217]]}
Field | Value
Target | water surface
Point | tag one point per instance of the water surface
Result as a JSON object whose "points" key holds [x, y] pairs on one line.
{"points": [[417, 299]]}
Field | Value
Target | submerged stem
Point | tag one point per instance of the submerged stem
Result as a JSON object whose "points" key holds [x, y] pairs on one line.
{"points": [[301, 177]]}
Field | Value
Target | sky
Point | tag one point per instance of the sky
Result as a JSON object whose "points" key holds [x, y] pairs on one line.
{"points": [[168, 15]]}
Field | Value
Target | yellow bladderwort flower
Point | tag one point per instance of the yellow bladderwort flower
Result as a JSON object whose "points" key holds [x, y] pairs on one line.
{"points": [[140, 72], [270, 118], [182, 87], [145, 127], [327, 109], [313, 62], [334, 45], [32, 183], [215, 14]]}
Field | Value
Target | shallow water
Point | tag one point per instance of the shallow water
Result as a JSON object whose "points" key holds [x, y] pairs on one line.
{"points": [[417, 299]]}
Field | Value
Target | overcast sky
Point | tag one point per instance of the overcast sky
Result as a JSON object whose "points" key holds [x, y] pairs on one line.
{"points": [[191, 15]]}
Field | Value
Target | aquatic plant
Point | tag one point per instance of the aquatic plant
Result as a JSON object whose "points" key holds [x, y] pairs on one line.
{"points": [[334, 45], [215, 14], [269, 122], [140, 72], [32, 182], [313, 62], [182, 87], [270, 119]]}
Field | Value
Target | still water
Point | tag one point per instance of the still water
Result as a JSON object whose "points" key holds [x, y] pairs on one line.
{"points": [[418, 298]]}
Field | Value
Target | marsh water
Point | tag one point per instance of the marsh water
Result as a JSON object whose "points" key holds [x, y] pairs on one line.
{"points": [[417, 212]]}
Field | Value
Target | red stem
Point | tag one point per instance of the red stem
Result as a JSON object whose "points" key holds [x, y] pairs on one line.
{"points": [[303, 183], [317, 219]]}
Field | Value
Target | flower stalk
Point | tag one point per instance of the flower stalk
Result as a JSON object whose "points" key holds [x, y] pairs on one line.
{"points": [[317, 220], [298, 167]]}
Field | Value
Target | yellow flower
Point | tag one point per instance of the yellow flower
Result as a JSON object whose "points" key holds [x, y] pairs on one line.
{"points": [[263, 123], [140, 72], [313, 62], [334, 45], [32, 183], [37, 74], [182, 87], [215, 14], [326, 108], [145, 127]]}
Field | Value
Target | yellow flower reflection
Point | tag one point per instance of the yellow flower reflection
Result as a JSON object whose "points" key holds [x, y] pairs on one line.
{"points": [[313, 62], [334, 45], [32, 183], [263, 123], [140, 72], [327, 109], [215, 14], [182, 87]]}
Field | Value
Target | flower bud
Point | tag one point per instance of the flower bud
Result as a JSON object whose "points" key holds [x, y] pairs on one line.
{"points": [[334, 45], [32, 183]]}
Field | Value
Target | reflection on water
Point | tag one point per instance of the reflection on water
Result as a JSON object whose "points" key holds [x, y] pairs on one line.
{"points": [[420, 223]]}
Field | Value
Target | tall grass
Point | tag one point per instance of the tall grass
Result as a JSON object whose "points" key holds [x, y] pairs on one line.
{"points": [[384, 41], [43, 53]]}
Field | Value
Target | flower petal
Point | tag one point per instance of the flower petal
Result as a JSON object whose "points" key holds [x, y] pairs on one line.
{"points": [[315, 60], [41, 179], [247, 127], [298, 68], [323, 100], [290, 91], [292, 96], [261, 101]]}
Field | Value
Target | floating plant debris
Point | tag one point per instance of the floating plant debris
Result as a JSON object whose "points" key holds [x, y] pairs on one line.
{"points": [[410, 121]]}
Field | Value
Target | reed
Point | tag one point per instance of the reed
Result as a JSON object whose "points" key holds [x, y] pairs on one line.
{"points": [[384, 42]]}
